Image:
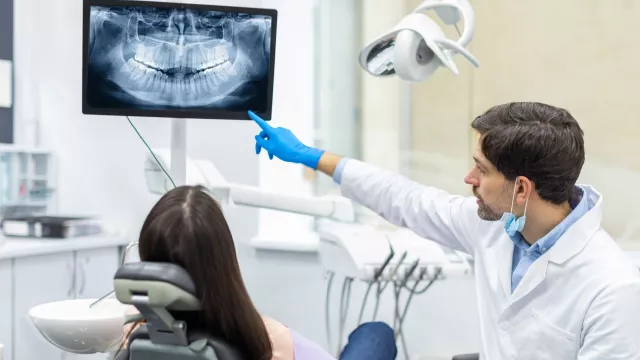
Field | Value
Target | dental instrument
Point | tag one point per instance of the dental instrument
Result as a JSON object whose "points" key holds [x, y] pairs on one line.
{"points": [[417, 46]]}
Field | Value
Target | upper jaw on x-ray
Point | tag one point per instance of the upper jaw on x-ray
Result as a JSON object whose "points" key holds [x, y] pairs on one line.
{"points": [[163, 58]]}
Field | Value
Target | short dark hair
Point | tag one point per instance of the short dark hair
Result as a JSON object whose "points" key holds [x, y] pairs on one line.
{"points": [[541, 142], [187, 227]]}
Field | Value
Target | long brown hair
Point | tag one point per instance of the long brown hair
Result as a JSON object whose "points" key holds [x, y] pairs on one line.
{"points": [[186, 227]]}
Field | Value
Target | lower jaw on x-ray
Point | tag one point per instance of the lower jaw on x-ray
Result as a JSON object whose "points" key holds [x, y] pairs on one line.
{"points": [[175, 59]]}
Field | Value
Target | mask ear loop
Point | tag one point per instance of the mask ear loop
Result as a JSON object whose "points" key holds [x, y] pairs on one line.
{"points": [[513, 198]]}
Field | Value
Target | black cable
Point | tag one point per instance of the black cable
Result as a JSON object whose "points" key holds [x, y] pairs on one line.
{"points": [[399, 332], [151, 151], [399, 318], [435, 277]]}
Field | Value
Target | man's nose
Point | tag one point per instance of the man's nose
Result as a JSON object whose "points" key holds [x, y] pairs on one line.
{"points": [[471, 180]]}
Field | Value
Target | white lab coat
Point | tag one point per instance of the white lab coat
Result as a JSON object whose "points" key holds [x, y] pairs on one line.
{"points": [[580, 300]]}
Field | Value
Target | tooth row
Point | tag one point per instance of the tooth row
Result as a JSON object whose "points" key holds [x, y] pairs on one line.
{"points": [[203, 83], [167, 58]]}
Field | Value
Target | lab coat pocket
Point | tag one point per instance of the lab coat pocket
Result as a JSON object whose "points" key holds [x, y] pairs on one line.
{"points": [[546, 341]]}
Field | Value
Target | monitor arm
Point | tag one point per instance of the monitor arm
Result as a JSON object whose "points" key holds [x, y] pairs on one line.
{"points": [[204, 172]]}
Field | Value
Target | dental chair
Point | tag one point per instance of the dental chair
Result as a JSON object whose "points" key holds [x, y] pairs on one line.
{"points": [[159, 291]]}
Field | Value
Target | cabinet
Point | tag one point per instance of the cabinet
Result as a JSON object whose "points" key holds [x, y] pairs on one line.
{"points": [[6, 306], [46, 278], [26, 179], [94, 272]]}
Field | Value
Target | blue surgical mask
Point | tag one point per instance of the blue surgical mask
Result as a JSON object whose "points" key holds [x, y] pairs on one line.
{"points": [[512, 224]]}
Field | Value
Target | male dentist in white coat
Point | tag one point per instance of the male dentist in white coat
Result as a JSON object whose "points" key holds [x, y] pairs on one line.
{"points": [[551, 283]]}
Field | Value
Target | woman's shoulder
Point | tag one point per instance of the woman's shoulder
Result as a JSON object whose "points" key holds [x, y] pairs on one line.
{"points": [[290, 345], [281, 339]]}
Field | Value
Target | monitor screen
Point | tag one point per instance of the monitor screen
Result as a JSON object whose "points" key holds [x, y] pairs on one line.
{"points": [[177, 60]]}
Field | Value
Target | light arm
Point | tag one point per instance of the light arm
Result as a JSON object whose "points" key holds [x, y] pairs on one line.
{"points": [[333, 207], [205, 173]]}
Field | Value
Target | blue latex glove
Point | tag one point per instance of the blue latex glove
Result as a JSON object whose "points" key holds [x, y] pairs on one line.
{"points": [[281, 143]]}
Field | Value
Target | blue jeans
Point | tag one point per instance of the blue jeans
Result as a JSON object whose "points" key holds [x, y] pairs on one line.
{"points": [[371, 341]]}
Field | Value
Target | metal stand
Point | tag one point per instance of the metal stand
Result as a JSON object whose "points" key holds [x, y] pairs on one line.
{"points": [[179, 151]]}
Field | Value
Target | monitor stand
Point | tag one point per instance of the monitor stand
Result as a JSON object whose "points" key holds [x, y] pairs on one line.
{"points": [[179, 151]]}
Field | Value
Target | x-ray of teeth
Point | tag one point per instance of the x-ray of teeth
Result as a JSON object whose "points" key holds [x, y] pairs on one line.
{"points": [[177, 59]]}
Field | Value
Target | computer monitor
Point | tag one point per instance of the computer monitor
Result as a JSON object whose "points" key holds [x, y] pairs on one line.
{"points": [[162, 59]]}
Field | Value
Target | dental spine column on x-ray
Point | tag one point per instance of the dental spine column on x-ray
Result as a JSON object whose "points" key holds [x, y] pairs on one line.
{"points": [[165, 58]]}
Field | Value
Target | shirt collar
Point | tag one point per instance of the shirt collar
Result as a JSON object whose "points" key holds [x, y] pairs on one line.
{"points": [[579, 207]]}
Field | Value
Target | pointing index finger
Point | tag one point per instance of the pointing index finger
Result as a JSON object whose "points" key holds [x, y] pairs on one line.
{"points": [[263, 124]]}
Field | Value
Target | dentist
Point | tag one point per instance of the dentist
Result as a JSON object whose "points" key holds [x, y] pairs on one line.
{"points": [[551, 283]]}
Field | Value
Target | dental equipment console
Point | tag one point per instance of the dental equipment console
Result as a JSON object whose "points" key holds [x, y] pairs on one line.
{"points": [[383, 257], [369, 254]]}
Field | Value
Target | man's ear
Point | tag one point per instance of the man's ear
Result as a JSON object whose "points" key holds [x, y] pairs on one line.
{"points": [[524, 190]]}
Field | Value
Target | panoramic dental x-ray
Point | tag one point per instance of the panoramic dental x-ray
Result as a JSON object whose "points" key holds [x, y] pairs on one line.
{"points": [[159, 58]]}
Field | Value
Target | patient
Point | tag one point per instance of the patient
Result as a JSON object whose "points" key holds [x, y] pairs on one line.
{"points": [[187, 228]]}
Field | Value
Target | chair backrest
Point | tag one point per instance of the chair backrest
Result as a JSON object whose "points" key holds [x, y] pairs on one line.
{"points": [[157, 290]]}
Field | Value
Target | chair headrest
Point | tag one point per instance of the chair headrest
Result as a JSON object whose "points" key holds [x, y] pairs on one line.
{"points": [[163, 285]]}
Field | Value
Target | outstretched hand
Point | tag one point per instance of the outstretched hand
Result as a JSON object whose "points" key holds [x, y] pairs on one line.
{"points": [[283, 144]]}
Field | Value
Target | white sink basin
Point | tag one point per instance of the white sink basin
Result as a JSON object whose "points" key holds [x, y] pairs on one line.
{"points": [[73, 326]]}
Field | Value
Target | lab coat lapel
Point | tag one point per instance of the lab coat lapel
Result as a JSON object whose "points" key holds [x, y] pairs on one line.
{"points": [[569, 244], [504, 261], [532, 278]]}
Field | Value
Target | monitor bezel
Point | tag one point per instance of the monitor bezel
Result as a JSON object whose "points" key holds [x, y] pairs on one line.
{"points": [[186, 114]]}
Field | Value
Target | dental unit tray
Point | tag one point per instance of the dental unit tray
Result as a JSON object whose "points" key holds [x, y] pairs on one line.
{"points": [[53, 227], [369, 254]]}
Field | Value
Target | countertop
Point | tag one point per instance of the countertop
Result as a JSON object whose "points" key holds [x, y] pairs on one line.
{"points": [[20, 247]]}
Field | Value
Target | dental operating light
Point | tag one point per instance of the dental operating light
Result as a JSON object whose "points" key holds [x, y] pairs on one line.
{"points": [[416, 47], [159, 59]]}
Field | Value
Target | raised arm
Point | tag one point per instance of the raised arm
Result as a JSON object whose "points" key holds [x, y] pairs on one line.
{"points": [[450, 220], [431, 213]]}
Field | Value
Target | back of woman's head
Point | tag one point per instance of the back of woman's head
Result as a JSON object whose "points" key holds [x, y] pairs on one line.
{"points": [[187, 228]]}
